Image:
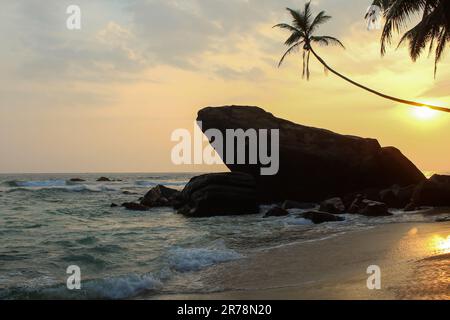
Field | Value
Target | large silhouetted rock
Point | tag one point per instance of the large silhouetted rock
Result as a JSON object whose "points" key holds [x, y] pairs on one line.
{"points": [[315, 164], [219, 194]]}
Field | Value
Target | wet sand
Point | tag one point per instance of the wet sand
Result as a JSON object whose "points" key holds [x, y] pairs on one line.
{"points": [[414, 259]]}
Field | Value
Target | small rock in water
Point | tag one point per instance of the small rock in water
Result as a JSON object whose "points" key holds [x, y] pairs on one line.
{"points": [[77, 180], [374, 209], [276, 212], [320, 217], [114, 205], [443, 219], [129, 193], [410, 207], [160, 196], [103, 179], [334, 206], [135, 206], [357, 204], [368, 208]]}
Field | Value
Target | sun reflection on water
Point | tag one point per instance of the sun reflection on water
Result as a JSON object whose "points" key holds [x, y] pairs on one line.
{"points": [[440, 244], [427, 252]]}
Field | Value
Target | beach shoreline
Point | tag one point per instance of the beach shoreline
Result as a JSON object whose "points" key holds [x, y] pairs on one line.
{"points": [[413, 258]]}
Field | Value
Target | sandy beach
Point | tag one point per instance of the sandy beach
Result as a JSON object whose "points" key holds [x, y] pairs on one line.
{"points": [[414, 259]]}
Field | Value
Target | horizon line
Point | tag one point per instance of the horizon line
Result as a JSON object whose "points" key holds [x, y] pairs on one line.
{"points": [[113, 172], [446, 171]]}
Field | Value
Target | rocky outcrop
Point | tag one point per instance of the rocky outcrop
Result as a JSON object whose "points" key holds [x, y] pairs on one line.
{"points": [[77, 180], [315, 164], [433, 192], [276, 212], [333, 205], [160, 196], [318, 217], [396, 196], [103, 179], [369, 208], [219, 194]]}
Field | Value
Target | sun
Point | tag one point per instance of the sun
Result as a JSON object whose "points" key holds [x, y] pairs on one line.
{"points": [[424, 113]]}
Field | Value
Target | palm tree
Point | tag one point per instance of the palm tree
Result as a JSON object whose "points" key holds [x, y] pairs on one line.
{"points": [[432, 30], [303, 29], [302, 34]]}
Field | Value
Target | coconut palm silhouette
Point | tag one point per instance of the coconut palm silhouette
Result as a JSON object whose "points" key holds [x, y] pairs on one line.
{"points": [[303, 36], [432, 31]]}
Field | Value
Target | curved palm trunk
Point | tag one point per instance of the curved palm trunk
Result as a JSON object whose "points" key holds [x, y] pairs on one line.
{"points": [[412, 103]]}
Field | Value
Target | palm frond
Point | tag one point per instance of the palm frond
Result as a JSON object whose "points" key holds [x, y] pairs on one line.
{"points": [[327, 40], [293, 38], [442, 40], [418, 38], [287, 27], [289, 51], [321, 18], [307, 13], [432, 29], [298, 19], [397, 15], [383, 4]]}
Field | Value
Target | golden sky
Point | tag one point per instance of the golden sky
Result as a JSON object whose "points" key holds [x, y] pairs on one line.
{"points": [[106, 98]]}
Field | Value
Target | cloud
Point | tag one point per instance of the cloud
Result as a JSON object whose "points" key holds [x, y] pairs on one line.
{"points": [[254, 74], [123, 38], [40, 98], [439, 90], [171, 34]]}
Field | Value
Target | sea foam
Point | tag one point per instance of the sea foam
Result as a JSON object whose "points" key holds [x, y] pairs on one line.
{"points": [[121, 287], [36, 183], [194, 259], [41, 186], [143, 183]]}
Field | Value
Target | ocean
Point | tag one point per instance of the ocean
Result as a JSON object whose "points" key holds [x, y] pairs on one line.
{"points": [[48, 223]]}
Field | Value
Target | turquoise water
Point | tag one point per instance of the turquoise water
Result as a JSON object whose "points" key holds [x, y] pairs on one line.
{"points": [[48, 223]]}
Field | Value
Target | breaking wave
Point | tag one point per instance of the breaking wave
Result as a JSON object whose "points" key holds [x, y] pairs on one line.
{"points": [[194, 259], [35, 184], [62, 188], [119, 287], [143, 183]]}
